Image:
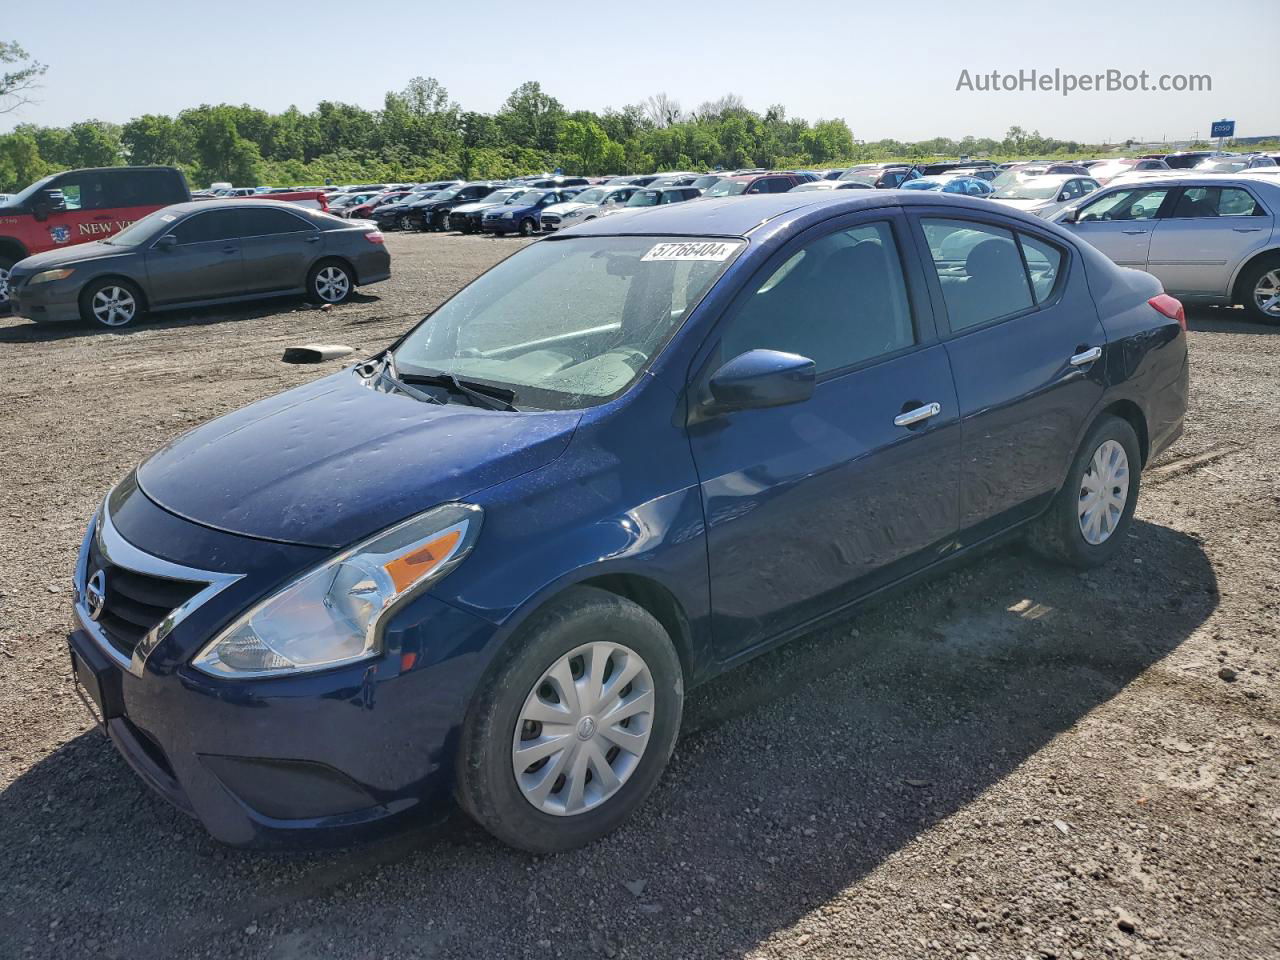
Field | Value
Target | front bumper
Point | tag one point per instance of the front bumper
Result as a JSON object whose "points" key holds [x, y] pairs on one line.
{"points": [[311, 758], [58, 301]]}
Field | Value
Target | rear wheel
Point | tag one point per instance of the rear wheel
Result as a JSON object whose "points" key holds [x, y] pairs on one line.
{"points": [[1086, 522], [330, 281], [572, 733], [111, 303], [6, 264], [1261, 288]]}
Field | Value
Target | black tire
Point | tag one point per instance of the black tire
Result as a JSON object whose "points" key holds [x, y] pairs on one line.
{"points": [[324, 284], [486, 781], [1057, 533], [126, 295], [1249, 281], [526, 227], [405, 222], [6, 264]]}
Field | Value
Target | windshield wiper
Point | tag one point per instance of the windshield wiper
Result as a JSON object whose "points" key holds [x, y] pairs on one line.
{"points": [[383, 369], [481, 394]]}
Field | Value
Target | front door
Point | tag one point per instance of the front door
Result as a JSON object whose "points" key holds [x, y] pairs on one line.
{"points": [[1205, 235], [204, 264], [1028, 353], [810, 506], [1119, 223]]}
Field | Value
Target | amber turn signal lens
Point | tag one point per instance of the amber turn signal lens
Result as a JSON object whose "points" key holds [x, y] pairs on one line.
{"points": [[408, 569]]}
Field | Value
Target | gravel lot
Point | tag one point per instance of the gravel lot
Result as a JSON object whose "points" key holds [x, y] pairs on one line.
{"points": [[1011, 761]]}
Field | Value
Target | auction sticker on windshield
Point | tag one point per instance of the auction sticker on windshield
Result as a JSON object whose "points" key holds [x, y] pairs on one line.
{"points": [[711, 250]]}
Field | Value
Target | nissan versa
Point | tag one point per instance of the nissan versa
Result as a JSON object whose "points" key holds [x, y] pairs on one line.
{"points": [[493, 559]]}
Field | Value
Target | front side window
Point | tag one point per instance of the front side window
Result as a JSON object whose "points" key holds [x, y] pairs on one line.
{"points": [[980, 271], [839, 301], [208, 227], [568, 323], [78, 191], [1136, 204]]}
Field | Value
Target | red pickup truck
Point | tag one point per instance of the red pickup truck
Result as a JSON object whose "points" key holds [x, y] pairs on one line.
{"points": [[77, 206]]}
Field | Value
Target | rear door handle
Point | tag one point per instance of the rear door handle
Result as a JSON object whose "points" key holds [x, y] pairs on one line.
{"points": [[911, 417], [1247, 229], [1086, 356], [230, 249], [1134, 233]]}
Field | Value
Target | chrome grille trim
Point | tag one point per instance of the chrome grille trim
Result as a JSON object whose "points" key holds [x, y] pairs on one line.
{"points": [[121, 553]]}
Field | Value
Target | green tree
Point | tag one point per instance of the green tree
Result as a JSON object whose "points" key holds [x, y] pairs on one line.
{"points": [[153, 138], [531, 118], [16, 84], [20, 161]]}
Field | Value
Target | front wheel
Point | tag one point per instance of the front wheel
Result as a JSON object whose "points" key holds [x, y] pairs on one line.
{"points": [[1086, 522], [111, 303], [1261, 286], [570, 735], [6, 264], [526, 227], [330, 281]]}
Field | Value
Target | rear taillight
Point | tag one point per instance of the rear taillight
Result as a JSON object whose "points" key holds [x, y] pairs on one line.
{"points": [[1171, 307], [375, 236]]}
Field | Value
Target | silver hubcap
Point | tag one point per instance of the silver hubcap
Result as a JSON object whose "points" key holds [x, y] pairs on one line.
{"points": [[583, 728], [4, 284], [332, 284], [114, 306], [1103, 492], [1267, 293]]}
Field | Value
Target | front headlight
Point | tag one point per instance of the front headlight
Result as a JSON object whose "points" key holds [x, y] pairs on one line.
{"points": [[46, 276], [333, 615], [509, 215]]}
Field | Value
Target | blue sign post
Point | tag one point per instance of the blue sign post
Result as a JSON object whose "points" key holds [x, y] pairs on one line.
{"points": [[1223, 128]]}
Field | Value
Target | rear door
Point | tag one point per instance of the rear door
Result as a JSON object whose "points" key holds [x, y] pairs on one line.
{"points": [[1120, 222], [1207, 232], [278, 248], [1026, 348], [204, 264], [810, 506]]}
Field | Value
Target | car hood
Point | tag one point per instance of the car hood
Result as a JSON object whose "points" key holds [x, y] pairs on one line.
{"points": [[334, 461], [503, 208], [566, 206], [74, 254], [474, 205]]}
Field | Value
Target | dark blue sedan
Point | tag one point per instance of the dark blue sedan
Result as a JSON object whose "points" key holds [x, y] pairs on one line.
{"points": [[493, 559], [523, 214]]}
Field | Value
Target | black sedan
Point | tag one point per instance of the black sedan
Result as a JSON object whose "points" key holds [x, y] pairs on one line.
{"points": [[191, 254]]}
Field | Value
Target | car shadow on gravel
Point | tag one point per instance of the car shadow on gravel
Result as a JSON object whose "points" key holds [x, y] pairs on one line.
{"points": [[17, 330], [796, 776], [1201, 319]]}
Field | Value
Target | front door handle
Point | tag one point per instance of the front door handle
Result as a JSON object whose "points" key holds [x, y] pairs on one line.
{"points": [[230, 249], [313, 239], [1247, 229], [1086, 356], [1134, 233], [911, 417]]}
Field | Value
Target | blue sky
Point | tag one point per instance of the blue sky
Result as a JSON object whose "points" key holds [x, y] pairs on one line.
{"points": [[889, 69]]}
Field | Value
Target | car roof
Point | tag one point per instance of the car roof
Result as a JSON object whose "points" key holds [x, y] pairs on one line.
{"points": [[248, 203], [741, 216]]}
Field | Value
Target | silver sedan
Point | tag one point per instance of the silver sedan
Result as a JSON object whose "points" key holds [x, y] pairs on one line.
{"points": [[1209, 239]]}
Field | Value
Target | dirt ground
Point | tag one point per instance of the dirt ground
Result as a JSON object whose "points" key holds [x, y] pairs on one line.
{"points": [[1009, 761]]}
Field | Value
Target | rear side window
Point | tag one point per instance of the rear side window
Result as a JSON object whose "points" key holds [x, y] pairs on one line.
{"points": [[208, 227], [839, 301], [1043, 263], [268, 222], [1197, 202], [980, 270]]}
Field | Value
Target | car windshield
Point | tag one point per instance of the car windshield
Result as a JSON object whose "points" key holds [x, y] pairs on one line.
{"points": [[727, 188], [1222, 166], [448, 194], [568, 323], [645, 198], [1028, 191], [22, 196], [140, 231], [527, 197], [703, 182], [595, 195]]}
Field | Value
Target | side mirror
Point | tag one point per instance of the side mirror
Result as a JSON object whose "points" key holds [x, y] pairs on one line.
{"points": [[167, 242], [41, 210], [762, 378], [1071, 216]]}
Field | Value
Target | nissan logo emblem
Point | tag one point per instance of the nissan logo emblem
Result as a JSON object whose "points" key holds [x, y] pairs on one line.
{"points": [[95, 594]]}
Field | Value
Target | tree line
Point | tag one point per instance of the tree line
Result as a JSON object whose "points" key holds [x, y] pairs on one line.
{"points": [[421, 134]]}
